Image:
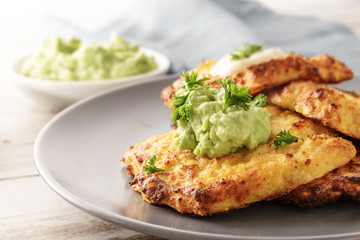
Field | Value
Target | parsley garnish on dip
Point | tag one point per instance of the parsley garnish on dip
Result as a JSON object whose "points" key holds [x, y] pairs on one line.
{"points": [[246, 51], [214, 122], [240, 59], [74, 60]]}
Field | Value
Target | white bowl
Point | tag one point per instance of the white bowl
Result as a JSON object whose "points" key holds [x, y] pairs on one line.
{"points": [[58, 94]]}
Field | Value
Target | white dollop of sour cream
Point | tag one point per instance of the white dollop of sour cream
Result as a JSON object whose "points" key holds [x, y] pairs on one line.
{"points": [[226, 67]]}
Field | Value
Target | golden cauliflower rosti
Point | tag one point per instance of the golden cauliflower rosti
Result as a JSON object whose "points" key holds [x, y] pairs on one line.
{"points": [[204, 186], [341, 183], [334, 108]]}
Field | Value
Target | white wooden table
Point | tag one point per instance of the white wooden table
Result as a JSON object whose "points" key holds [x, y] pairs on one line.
{"points": [[29, 209]]}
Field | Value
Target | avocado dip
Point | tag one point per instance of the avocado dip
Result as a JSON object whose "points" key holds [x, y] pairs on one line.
{"points": [[76, 60], [212, 131]]}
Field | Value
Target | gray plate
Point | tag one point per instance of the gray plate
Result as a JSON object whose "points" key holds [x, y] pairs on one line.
{"points": [[78, 155]]}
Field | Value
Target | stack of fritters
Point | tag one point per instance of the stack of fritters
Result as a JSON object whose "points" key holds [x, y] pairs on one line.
{"points": [[297, 173], [338, 110], [273, 73]]}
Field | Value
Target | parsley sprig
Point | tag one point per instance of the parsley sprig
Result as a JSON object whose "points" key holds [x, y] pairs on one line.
{"points": [[284, 138], [239, 96], [191, 82], [150, 167], [180, 100], [235, 95], [260, 100], [246, 51], [182, 112], [181, 106]]}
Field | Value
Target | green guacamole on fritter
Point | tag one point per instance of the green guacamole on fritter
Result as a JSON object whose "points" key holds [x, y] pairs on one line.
{"points": [[215, 126]]}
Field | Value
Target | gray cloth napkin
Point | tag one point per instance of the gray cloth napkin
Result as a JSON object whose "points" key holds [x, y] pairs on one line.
{"points": [[189, 31]]}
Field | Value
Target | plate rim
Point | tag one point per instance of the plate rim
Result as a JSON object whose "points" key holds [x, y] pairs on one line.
{"points": [[126, 222]]}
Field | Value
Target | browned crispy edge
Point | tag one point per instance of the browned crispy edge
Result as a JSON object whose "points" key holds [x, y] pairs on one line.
{"points": [[155, 190], [341, 183]]}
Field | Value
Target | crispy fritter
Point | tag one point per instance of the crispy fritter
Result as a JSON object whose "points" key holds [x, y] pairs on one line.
{"points": [[334, 108], [205, 186], [341, 183], [330, 69], [275, 72]]}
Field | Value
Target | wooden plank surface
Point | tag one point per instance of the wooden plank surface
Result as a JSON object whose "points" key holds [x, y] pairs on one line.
{"points": [[33, 211], [29, 209]]}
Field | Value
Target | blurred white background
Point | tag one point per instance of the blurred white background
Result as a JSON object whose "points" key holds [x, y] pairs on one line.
{"points": [[18, 18]]}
